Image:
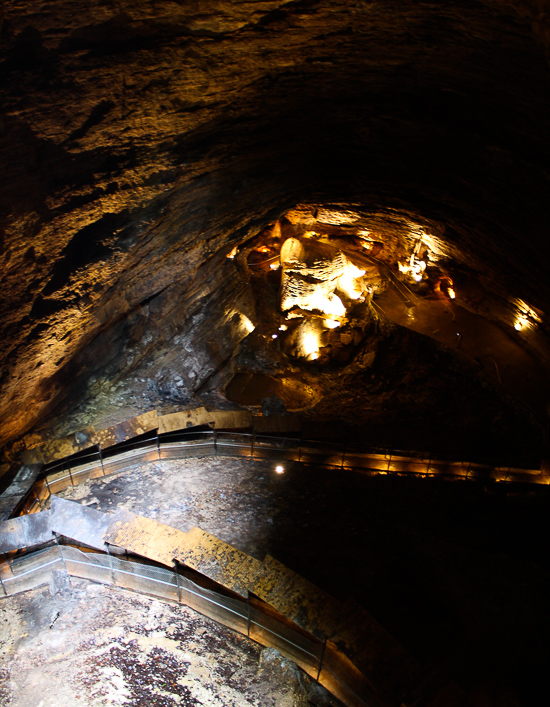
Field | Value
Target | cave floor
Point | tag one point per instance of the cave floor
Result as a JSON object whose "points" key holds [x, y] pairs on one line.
{"points": [[451, 569], [91, 645]]}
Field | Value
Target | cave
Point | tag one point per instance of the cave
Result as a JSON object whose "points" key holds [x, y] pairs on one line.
{"points": [[319, 220]]}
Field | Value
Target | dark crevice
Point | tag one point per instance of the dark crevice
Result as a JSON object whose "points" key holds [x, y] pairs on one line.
{"points": [[96, 116]]}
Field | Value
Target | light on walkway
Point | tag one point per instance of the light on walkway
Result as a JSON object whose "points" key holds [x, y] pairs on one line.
{"points": [[280, 469]]}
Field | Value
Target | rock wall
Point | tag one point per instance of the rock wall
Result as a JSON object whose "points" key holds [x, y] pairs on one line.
{"points": [[141, 141]]}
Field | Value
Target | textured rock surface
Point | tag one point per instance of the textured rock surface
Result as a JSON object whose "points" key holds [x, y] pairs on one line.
{"points": [[139, 142], [97, 646]]}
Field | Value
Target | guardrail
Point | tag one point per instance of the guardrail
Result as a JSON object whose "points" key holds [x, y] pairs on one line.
{"points": [[95, 462], [319, 659]]}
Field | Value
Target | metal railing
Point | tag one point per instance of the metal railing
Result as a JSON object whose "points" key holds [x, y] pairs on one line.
{"points": [[181, 444], [319, 659]]}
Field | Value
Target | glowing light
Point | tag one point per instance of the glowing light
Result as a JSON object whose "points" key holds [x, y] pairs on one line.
{"points": [[283, 327], [280, 469], [274, 266], [232, 253], [522, 322], [328, 304], [310, 344], [415, 269], [526, 318], [347, 282], [331, 323], [247, 324], [273, 336], [451, 292]]}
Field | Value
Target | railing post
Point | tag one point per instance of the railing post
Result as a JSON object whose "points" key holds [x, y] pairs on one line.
{"points": [[47, 485], [37, 498], [321, 659], [101, 459], [3, 587], [252, 447], [110, 564], [60, 553], [70, 475], [9, 563], [215, 443], [158, 444], [248, 611], [177, 579]]}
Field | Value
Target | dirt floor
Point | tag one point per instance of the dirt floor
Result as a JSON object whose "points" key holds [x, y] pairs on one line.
{"points": [[453, 569], [88, 645]]}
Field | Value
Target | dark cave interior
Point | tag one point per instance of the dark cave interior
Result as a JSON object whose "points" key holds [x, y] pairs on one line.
{"points": [[326, 209]]}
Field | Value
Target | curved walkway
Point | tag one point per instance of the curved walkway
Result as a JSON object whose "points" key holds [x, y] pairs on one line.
{"points": [[320, 660], [382, 672], [69, 461]]}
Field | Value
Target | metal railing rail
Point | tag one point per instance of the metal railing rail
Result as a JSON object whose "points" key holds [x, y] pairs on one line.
{"points": [[94, 463], [308, 652]]}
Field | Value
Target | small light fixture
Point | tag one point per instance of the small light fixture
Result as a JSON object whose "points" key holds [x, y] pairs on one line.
{"points": [[283, 327], [273, 336], [274, 266], [522, 322], [280, 469]]}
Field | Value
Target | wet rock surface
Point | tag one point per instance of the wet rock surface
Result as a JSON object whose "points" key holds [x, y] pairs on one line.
{"points": [[451, 569], [102, 646]]}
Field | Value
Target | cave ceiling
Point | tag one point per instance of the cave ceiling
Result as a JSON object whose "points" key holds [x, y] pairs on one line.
{"points": [[142, 142]]}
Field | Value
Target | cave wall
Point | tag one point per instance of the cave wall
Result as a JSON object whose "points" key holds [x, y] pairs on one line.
{"points": [[140, 141]]}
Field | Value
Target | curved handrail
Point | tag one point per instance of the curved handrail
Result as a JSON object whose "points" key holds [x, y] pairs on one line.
{"points": [[95, 462], [305, 650]]}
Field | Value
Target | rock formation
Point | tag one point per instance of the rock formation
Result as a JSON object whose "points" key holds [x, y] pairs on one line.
{"points": [[141, 142]]}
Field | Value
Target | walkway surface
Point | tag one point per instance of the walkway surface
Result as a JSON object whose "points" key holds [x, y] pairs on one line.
{"points": [[389, 668]]}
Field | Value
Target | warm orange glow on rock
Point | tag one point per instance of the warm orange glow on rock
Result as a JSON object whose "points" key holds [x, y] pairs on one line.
{"points": [[310, 344]]}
